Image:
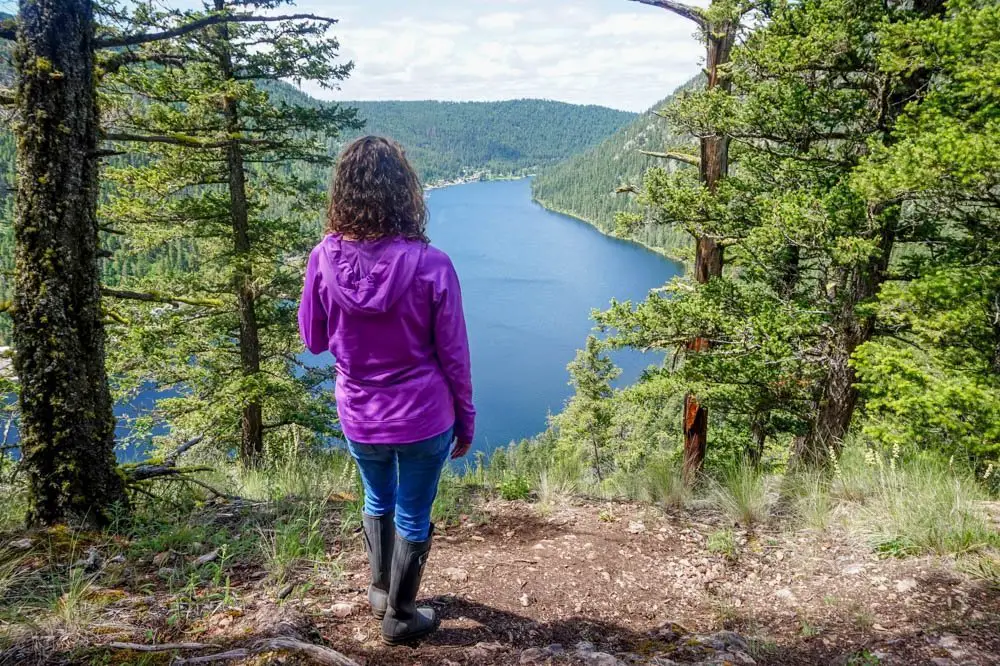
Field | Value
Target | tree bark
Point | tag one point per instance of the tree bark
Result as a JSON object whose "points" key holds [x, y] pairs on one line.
{"points": [[839, 397], [708, 262], [252, 420], [67, 425]]}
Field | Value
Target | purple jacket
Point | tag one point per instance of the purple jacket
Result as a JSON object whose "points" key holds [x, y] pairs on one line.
{"points": [[390, 312]]}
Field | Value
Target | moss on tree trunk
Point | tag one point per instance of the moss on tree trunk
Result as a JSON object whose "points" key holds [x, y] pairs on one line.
{"points": [[67, 425]]}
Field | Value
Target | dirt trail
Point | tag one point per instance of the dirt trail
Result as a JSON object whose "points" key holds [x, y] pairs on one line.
{"points": [[616, 575], [602, 584]]}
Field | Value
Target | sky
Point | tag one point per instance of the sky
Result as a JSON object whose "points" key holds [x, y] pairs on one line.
{"points": [[616, 53]]}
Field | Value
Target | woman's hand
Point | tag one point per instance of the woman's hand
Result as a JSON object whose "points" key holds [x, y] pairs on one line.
{"points": [[460, 448]]}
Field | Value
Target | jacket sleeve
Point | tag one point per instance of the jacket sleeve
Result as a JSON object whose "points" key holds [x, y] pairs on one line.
{"points": [[312, 312], [452, 346]]}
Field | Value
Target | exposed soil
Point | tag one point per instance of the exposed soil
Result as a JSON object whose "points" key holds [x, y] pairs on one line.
{"points": [[632, 581], [613, 574]]}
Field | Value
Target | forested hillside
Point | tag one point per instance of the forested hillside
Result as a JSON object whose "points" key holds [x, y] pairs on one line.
{"points": [[445, 138], [586, 185]]}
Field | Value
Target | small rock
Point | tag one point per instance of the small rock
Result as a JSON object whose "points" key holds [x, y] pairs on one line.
{"points": [[342, 609], [853, 570], [636, 527], [948, 641], [160, 559], [555, 648], [525, 600], [90, 563], [207, 557], [166, 572], [117, 559], [534, 656], [456, 575], [785, 595], [906, 585], [600, 659], [727, 641], [584, 646], [21, 544], [779, 555]]}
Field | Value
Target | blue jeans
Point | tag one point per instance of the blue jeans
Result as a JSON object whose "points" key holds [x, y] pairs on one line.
{"points": [[403, 478]]}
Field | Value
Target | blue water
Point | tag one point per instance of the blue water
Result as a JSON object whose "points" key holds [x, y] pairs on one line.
{"points": [[530, 279]]}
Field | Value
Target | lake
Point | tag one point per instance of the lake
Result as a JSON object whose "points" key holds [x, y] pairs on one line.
{"points": [[530, 279]]}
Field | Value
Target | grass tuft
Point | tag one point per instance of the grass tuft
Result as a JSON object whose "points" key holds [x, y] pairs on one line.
{"points": [[740, 492]]}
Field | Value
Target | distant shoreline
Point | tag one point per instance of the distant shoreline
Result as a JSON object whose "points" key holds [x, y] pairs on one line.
{"points": [[663, 252]]}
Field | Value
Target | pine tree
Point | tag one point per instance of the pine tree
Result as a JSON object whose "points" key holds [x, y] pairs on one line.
{"points": [[66, 425], [586, 424], [221, 171]]}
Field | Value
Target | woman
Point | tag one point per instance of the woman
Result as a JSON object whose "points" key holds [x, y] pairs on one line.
{"points": [[388, 307]]}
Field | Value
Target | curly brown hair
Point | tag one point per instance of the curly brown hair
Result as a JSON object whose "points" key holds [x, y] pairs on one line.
{"points": [[375, 193]]}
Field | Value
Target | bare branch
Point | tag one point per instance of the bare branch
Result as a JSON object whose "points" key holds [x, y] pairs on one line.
{"points": [[172, 458], [693, 160], [214, 19], [162, 647], [679, 8], [156, 297], [317, 654], [6, 97]]}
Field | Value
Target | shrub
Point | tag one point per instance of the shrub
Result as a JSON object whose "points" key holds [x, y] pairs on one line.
{"points": [[515, 488], [740, 491]]}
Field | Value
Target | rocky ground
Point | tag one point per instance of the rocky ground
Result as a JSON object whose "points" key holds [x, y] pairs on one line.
{"points": [[587, 583]]}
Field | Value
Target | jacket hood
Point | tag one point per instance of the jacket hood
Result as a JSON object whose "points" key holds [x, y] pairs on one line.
{"points": [[368, 277]]}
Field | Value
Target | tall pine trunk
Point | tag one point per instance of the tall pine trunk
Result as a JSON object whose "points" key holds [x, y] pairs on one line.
{"points": [[252, 419], [67, 425], [708, 262]]}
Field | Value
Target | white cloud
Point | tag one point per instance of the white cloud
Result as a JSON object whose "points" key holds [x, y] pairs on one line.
{"points": [[584, 51], [499, 21]]}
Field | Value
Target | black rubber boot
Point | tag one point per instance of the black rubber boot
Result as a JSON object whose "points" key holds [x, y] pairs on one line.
{"points": [[380, 535], [403, 621]]}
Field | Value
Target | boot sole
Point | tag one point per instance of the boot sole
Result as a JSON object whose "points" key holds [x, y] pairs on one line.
{"points": [[406, 640]]}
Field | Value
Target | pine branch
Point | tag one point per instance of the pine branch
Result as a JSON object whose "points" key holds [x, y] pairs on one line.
{"points": [[693, 160], [119, 60], [687, 11], [156, 297], [214, 19], [190, 141]]}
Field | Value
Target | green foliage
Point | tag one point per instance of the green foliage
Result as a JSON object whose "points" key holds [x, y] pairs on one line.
{"points": [[515, 488], [722, 543], [936, 384], [585, 184]]}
